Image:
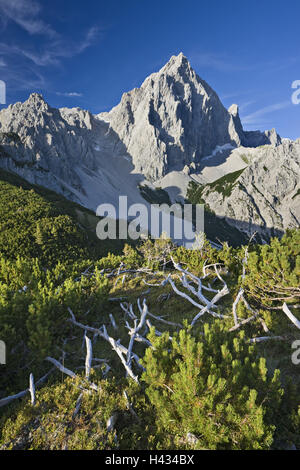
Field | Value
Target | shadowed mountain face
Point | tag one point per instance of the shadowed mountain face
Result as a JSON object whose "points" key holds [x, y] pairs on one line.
{"points": [[173, 124]]}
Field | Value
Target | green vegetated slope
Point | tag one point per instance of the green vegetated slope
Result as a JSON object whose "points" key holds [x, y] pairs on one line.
{"points": [[37, 222], [216, 228], [200, 387], [223, 185]]}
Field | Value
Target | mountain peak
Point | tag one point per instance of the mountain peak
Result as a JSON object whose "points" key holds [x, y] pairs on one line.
{"points": [[177, 61], [180, 58], [36, 97], [37, 101], [234, 110]]}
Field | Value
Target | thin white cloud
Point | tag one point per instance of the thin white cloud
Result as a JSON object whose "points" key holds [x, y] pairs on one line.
{"points": [[217, 62], [53, 51], [25, 13], [89, 40], [257, 115], [23, 78], [69, 94], [24, 64], [246, 105], [224, 63]]}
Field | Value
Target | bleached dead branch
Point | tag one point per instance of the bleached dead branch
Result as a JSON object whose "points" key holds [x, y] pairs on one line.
{"points": [[160, 284], [104, 361], [234, 306], [204, 304], [248, 320], [122, 279], [129, 406], [243, 322], [67, 371], [127, 308], [89, 357], [59, 366], [162, 320], [7, 400], [32, 389], [137, 327], [292, 317], [112, 321], [83, 341], [85, 273], [77, 406], [117, 272], [183, 294], [137, 337], [157, 332], [240, 294], [106, 370], [111, 422], [118, 350], [84, 327], [262, 339]]}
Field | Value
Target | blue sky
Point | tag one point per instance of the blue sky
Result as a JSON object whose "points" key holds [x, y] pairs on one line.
{"points": [[88, 53]]}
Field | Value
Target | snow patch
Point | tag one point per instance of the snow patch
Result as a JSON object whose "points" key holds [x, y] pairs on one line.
{"points": [[219, 149]]}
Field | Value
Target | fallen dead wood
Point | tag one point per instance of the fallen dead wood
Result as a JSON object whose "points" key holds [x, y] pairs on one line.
{"points": [[7, 400]]}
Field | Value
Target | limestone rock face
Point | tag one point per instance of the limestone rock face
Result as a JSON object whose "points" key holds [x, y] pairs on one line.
{"points": [[252, 138], [257, 138], [174, 119], [46, 145], [168, 130], [266, 196]]}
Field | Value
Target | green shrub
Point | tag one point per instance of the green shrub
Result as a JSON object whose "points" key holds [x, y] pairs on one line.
{"points": [[273, 277], [215, 387], [34, 311]]}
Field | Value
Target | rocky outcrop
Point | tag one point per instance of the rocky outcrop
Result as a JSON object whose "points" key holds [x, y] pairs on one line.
{"points": [[45, 145], [265, 196], [258, 138], [253, 138]]}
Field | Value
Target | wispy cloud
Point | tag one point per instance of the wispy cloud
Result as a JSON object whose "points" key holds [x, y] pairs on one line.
{"points": [[23, 78], [25, 13], [246, 105], [224, 63], [49, 51], [257, 115], [218, 62], [69, 94], [52, 52]]}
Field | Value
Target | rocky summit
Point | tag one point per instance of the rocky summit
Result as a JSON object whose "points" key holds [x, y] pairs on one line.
{"points": [[174, 119], [170, 132]]}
